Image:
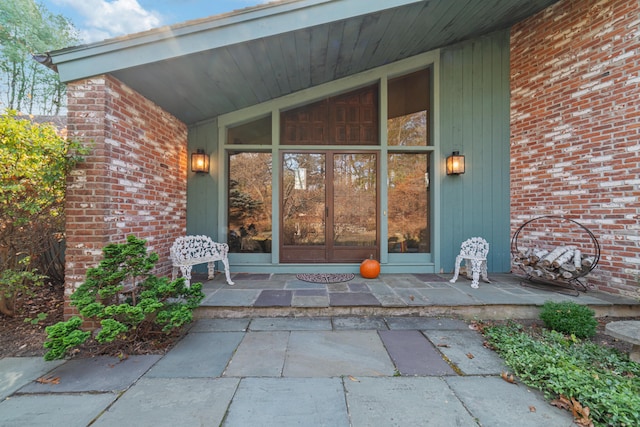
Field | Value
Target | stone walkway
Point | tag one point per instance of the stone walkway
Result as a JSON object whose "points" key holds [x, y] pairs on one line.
{"points": [[283, 352], [344, 371]]}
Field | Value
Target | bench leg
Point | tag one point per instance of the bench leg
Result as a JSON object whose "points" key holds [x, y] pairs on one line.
{"points": [[211, 268], [484, 272], [457, 271], [225, 261], [186, 273]]}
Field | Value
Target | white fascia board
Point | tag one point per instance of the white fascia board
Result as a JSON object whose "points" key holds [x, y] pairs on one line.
{"points": [[207, 34]]}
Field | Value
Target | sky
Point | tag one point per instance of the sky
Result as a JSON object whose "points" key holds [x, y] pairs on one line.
{"points": [[97, 20]]}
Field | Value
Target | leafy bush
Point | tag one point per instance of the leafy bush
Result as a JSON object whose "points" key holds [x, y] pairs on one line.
{"points": [[599, 378], [34, 163], [569, 318], [128, 301], [14, 282]]}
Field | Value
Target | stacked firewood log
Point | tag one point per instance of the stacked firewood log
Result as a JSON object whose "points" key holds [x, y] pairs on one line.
{"points": [[562, 263]]}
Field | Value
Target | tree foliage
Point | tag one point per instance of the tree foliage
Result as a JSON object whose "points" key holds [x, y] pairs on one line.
{"points": [[26, 29], [34, 162]]}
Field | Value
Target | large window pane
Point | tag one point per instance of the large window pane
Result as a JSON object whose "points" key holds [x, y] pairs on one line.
{"points": [[249, 202], [408, 202], [303, 199], [355, 199], [408, 110], [256, 132]]}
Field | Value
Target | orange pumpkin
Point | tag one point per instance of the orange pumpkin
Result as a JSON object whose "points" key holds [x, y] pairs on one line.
{"points": [[370, 268]]}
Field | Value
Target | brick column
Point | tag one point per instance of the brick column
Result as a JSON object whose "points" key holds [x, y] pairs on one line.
{"points": [[132, 181]]}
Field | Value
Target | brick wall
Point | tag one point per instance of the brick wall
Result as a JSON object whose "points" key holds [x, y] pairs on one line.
{"points": [[133, 181], [575, 128]]}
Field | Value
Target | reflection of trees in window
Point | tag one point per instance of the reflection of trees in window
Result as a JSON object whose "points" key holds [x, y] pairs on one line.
{"points": [[355, 202], [249, 207], [408, 110], [303, 206], [408, 202], [408, 130]]}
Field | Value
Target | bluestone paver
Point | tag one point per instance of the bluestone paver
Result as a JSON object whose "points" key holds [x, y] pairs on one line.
{"points": [[96, 374], [220, 325], [16, 372], [404, 401], [352, 299], [154, 402], [336, 353], [260, 354], [422, 323], [498, 403], [413, 354], [202, 354], [291, 324], [274, 298], [286, 402], [53, 410], [299, 285], [412, 297], [448, 296], [364, 322], [430, 277], [233, 297], [465, 349]]}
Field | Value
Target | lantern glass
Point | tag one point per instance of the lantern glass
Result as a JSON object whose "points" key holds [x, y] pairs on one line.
{"points": [[455, 164], [200, 161]]}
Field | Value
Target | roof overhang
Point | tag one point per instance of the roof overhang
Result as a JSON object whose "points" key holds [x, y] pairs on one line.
{"points": [[203, 68]]}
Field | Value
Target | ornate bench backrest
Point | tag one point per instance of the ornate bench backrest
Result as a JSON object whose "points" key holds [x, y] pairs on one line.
{"points": [[196, 247], [475, 247]]}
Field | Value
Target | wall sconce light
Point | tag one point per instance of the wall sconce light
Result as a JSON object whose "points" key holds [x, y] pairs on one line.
{"points": [[199, 161], [455, 164]]}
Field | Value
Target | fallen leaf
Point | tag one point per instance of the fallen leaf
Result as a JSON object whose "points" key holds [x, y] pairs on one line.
{"points": [[352, 378], [561, 402], [411, 297], [48, 380], [470, 356], [532, 408], [444, 345], [508, 378]]}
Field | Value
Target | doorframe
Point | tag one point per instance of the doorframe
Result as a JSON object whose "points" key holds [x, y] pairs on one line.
{"points": [[329, 247]]}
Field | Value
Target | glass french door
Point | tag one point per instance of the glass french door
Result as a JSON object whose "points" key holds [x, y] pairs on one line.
{"points": [[329, 205]]}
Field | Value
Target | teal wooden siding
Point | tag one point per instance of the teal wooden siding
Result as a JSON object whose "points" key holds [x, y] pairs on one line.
{"points": [[471, 98], [474, 120], [202, 189]]}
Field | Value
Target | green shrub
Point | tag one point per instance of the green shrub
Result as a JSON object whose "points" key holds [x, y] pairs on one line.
{"points": [[569, 318], [600, 378], [63, 336], [129, 303]]}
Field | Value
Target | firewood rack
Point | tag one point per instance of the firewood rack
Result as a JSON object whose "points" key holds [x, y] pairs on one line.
{"points": [[543, 262]]}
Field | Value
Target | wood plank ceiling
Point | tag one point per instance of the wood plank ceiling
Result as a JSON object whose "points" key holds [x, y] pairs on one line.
{"points": [[230, 76]]}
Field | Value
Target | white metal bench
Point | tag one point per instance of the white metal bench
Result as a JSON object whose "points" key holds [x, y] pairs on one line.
{"points": [[473, 251], [188, 251]]}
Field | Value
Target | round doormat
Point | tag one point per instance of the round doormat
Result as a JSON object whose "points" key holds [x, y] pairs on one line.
{"points": [[325, 278]]}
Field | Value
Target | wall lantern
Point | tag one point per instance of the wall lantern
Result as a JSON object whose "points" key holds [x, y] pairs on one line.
{"points": [[199, 161], [455, 164]]}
